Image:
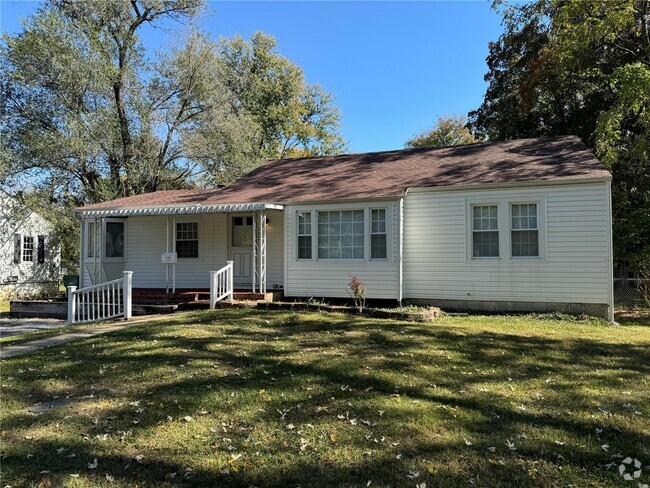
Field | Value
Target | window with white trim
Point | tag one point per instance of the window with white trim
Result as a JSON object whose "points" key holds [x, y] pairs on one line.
{"points": [[524, 230], [378, 237], [304, 235], [341, 234], [90, 239], [114, 239], [485, 231], [187, 239], [28, 248]]}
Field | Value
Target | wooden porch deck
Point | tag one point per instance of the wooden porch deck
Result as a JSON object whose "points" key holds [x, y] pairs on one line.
{"points": [[195, 295]]}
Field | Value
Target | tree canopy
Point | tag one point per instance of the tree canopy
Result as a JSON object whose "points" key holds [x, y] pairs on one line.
{"points": [[583, 68], [88, 110], [449, 131], [88, 115]]}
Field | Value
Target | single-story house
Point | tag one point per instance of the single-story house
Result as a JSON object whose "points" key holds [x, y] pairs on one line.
{"points": [[523, 225], [29, 257]]}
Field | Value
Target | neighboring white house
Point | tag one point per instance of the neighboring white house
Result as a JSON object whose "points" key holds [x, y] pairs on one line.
{"points": [[29, 263], [509, 226]]}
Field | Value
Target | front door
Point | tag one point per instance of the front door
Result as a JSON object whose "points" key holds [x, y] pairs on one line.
{"points": [[241, 249]]}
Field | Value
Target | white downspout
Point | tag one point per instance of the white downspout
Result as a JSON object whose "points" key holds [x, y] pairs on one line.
{"points": [[167, 250], [82, 250], [401, 248], [254, 258], [174, 250], [610, 255], [102, 247]]}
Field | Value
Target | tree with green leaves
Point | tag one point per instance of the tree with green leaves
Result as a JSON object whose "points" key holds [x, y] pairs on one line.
{"points": [[583, 68], [272, 112], [450, 130], [88, 115], [86, 110], [75, 98]]}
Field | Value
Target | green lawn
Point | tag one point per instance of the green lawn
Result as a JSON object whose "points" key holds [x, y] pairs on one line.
{"points": [[4, 306], [251, 398]]}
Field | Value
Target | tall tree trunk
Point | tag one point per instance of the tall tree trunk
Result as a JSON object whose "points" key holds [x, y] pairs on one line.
{"points": [[125, 133]]}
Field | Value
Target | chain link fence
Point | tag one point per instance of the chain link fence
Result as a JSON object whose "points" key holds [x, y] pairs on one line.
{"points": [[631, 294]]}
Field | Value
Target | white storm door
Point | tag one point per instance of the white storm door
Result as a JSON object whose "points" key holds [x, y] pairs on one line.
{"points": [[241, 249]]}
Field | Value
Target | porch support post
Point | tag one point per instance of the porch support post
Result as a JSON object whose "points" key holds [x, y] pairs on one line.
{"points": [[213, 289], [72, 304], [167, 250], [254, 257], [82, 251], [97, 249], [174, 250], [262, 251], [128, 287]]}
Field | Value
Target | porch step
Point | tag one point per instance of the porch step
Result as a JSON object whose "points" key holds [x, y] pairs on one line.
{"points": [[158, 296]]}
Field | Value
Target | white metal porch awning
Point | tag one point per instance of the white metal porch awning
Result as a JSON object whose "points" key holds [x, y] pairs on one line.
{"points": [[179, 210]]}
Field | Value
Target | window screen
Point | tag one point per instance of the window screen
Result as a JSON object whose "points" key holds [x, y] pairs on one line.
{"points": [[187, 239], [378, 234], [341, 234], [524, 233], [304, 235], [485, 231], [114, 240]]}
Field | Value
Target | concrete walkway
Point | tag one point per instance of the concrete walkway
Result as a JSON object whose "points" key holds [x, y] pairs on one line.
{"points": [[27, 347], [9, 327]]}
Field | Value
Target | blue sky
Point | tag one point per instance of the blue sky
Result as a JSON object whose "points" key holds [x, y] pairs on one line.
{"points": [[394, 67]]}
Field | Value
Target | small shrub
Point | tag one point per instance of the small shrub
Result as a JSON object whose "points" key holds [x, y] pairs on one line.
{"points": [[357, 290]]}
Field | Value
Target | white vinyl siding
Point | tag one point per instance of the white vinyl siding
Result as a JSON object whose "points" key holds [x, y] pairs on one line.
{"points": [[147, 241], [573, 246], [20, 278], [274, 249], [330, 277]]}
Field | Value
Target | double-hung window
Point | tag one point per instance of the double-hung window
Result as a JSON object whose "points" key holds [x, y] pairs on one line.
{"points": [[341, 234], [91, 235], [114, 239], [485, 231], [304, 235], [187, 239], [378, 233], [28, 248], [524, 230]]}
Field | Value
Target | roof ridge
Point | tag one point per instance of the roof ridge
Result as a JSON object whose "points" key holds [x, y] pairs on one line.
{"points": [[421, 149]]}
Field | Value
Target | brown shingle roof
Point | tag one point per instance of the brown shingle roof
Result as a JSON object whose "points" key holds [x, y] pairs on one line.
{"points": [[390, 173], [157, 199]]}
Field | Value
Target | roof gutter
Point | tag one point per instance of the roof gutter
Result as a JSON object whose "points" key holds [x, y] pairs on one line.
{"points": [[175, 210], [511, 184]]}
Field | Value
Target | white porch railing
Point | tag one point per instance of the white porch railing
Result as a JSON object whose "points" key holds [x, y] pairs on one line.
{"points": [[221, 284], [101, 302]]}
